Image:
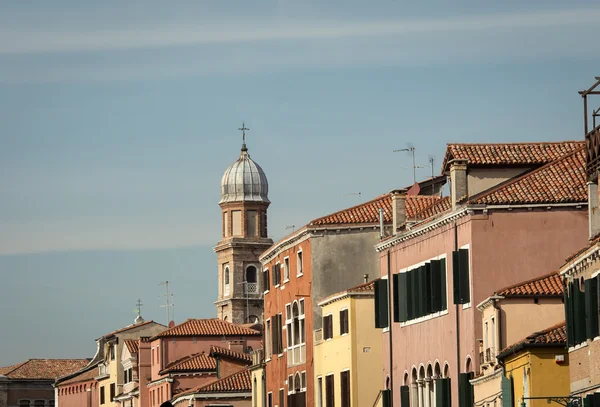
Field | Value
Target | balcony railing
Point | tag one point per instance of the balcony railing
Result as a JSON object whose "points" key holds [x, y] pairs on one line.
{"points": [[592, 153], [490, 355], [481, 358], [251, 288]]}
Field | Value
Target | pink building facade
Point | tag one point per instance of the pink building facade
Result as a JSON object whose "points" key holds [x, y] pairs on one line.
{"points": [[442, 268]]}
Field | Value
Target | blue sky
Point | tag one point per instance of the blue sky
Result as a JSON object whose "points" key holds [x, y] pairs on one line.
{"points": [[117, 121]]}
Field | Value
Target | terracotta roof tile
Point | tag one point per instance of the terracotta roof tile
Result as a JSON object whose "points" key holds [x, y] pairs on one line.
{"points": [[128, 327], [367, 287], [84, 376], [238, 382], [548, 285], [560, 181], [133, 346], [228, 353], [442, 205], [555, 335], [207, 327], [44, 369], [6, 369], [193, 363], [585, 248], [368, 212], [509, 153]]}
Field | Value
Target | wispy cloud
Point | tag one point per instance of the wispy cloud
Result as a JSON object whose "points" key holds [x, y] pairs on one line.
{"points": [[27, 42]]}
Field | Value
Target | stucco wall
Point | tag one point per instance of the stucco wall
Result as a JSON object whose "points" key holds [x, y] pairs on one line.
{"points": [[38, 390], [258, 388], [82, 394], [481, 179]]}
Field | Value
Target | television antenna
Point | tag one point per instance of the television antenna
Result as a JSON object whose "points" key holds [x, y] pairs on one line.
{"points": [[168, 301], [293, 227]]}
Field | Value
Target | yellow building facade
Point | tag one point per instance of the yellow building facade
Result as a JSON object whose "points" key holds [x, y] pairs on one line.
{"points": [[347, 354], [538, 366]]}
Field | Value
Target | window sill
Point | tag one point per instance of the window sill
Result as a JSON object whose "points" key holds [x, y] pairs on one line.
{"points": [[299, 275], [344, 334], [386, 329], [466, 306], [265, 292], [286, 280], [423, 319], [282, 287]]}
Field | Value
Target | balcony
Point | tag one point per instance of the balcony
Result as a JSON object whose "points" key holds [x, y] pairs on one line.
{"points": [[490, 356], [251, 288], [592, 153]]}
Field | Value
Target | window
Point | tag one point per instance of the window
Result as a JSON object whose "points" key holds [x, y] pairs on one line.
{"points": [[266, 281], [24, 403], [276, 275], [281, 398], [328, 326], [276, 342], [251, 274], [254, 393], [268, 340], [153, 362], [420, 291], [296, 333], [303, 382], [582, 310], [290, 383], [286, 269], [460, 276], [465, 390], [112, 392], [319, 392], [299, 265], [381, 303], [329, 391], [225, 225], [226, 280], [345, 384], [39, 403], [270, 400], [112, 352], [251, 224], [102, 401], [236, 218], [344, 328]]}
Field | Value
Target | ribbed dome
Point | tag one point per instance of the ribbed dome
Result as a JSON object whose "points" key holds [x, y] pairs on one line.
{"points": [[244, 181]]}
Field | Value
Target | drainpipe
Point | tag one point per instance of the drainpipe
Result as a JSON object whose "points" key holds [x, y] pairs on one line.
{"points": [[390, 317]]}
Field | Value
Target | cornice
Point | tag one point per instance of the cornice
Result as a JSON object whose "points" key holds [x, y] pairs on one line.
{"points": [[582, 262]]}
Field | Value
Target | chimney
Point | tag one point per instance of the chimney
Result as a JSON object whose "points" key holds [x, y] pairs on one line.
{"points": [[458, 181], [366, 278], [593, 209], [398, 209]]}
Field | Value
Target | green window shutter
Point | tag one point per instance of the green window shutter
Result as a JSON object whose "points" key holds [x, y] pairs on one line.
{"points": [[568, 317], [443, 395], [456, 277], [591, 308], [507, 392], [465, 287], [579, 314], [428, 290], [421, 301], [381, 303], [443, 284], [404, 396], [471, 399], [436, 286], [414, 292], [266, 282], [465, 390], [385, 398], [402, 298], [410, 308], [395, 296]]}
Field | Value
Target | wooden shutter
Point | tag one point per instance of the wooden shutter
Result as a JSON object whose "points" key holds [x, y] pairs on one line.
{"points": [[281, 398], [507, 392], [345, 387], [436, 286], [465, 390], [410, 307], [579, 313], [395, 296], [414, 292], [381, 303], [330, 325], [329, 395], [402, 297], [591, 308], [465, 286], [456, 277], [404, 396], [570, 323], [266, 281], [443, 396], [274, 275], [443, 284], [386, 398], [346, 324], [428, 290]]}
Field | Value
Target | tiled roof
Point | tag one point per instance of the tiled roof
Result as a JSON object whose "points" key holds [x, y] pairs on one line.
{"points": [[128, 327], [85, 376], [133, 346], [207, 327], [44, 369], [367, 287], [228, 353], [592, 242], [442, 205], [368, 212], [561, 181], [238, 382], [555, 335], [548, 285], [192, 363], [509, 153]]}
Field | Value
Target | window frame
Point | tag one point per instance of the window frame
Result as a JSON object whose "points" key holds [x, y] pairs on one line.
{"points": [[286, 269], [299, 263], [325, 325], [347, 325]]}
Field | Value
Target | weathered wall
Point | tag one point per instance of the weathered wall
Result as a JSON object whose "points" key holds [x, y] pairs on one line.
{"points": [[481, 179], [548, 377], [82, 394]]}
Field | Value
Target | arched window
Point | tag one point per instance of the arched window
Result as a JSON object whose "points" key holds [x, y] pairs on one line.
{"points": [[226, 280], [468, 365], [297, 383], [446, 370], [254, 396], [405, 380], [296, 332], [251, 274], [387, 382]]}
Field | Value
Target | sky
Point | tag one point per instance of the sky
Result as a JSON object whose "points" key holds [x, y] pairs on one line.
{"points": [[118, 119]]}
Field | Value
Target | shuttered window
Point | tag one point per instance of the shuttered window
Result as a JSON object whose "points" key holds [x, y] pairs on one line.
{"points": [[465, 390], [345, 387], [266, 280], [460, 273], [281, 398], [443, 397], [381, 303], [404, 396], [329, 391], [328, 327], [386, 398], [591, 308], [420, 291], [276, 274], [344, 327], [112, 392], [507, 392], [575, 310], [276, 335], [102, 395]]}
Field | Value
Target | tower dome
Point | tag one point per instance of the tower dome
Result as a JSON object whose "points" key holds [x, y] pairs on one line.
{"points": [[244, 181]]}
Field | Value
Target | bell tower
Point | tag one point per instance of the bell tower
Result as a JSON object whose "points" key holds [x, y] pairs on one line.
{"points": [[244, 202]]}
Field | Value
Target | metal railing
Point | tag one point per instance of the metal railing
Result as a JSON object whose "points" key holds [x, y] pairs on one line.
{"points": [[251, 288], [490, 355]]}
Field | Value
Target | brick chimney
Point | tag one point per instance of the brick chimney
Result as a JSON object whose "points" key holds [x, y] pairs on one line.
{"points": [[593, 209], [458, 181], [398, 209]]}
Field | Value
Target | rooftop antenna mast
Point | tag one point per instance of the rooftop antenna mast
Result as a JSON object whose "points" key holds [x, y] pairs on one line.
{"points": [[168, 304], [411, 149], [355, 194], [293, 227], [431, 161]]}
